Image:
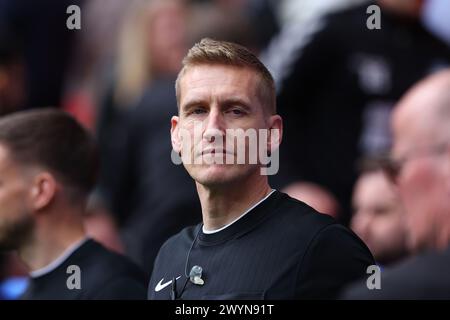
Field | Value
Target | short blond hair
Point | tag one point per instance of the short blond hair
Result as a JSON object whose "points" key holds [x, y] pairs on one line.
{"points": [[209, 51]]}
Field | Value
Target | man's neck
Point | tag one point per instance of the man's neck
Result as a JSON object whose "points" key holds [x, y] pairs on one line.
{"points": [[51, 239], [222, 205]]}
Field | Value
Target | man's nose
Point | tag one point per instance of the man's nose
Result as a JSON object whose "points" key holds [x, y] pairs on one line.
{"points": [[214, 126]]}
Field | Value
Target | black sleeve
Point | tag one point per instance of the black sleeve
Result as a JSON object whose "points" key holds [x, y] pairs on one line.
{"points": [[122, 289], [335, 257]]}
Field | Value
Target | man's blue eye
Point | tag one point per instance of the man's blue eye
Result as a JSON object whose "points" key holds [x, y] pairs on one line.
{"points": [[198, 111]]}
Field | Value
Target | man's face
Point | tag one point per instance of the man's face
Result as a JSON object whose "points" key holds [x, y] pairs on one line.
{"points": [[379, 216], [214, 100], [422, 180], [15, 218]]}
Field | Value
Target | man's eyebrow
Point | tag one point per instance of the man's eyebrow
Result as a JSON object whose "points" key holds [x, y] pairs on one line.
{"points": [[237, 101], [195, 102], [192, 103]]}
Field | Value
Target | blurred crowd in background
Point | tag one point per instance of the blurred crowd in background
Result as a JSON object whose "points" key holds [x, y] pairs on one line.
{"points": [[337, 82]]}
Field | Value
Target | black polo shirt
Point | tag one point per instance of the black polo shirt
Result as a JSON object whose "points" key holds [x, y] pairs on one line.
{"points": [[281, 249]]}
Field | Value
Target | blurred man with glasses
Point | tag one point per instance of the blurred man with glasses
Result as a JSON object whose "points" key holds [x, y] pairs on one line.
{"points": [[420, 167]]}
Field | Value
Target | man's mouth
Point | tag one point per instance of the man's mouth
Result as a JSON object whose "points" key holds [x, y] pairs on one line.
{"points": [[216, 151]]}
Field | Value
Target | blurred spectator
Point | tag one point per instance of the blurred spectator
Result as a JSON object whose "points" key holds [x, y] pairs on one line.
{"points": [[378, 217], [338, 96], [48, 166], [420, 167], [299, 21]]}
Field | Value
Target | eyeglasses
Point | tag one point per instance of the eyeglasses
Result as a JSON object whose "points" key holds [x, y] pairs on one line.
{"points": [[393, 167]]}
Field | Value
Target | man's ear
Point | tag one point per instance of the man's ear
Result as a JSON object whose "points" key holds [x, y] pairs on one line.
{"points": [[43, 190], [275, 132], [174, 133]]}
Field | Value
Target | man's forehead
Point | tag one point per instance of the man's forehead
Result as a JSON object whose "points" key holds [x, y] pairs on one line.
{"points": [[217, 80], [210, 73]]}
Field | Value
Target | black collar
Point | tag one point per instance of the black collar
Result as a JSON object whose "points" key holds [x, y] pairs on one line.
{"points": [[249, 221]]}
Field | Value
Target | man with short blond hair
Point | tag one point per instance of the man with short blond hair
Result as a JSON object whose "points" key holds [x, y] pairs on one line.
{"points": [[254, 242], [231, 54]]}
